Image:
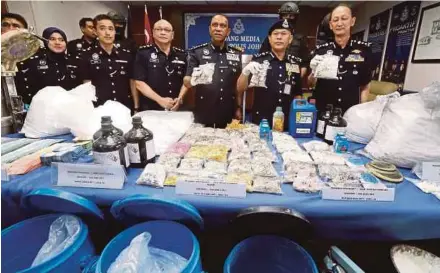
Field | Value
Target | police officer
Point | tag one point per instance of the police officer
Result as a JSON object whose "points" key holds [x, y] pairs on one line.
{"points": [[78, 46], [298, 46], [120, 40], [50, 66], [283, 78], [11, 21], [159, 70], [354, 68], [215, 101], [107, 67]]}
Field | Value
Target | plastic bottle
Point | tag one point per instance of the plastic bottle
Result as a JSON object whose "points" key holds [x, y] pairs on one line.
{"points": [[140, 144], [336, 124], [341, 143], [322, 121], [263, 129], [107, 119], [110, 148], [278, 120]]}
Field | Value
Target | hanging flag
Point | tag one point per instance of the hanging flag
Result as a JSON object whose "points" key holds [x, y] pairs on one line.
{"points": [[147, 28], [129, 22]]}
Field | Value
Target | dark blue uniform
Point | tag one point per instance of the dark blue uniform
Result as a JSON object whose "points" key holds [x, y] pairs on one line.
{"points": [[46, 69], [76, 48], [215, 102], [109, 73], [283, 83], [164, 74], [354, 71]]}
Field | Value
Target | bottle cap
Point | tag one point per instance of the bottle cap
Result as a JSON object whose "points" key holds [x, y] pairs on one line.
{"points": [[106, 119], [137, 120], [279, 109]]}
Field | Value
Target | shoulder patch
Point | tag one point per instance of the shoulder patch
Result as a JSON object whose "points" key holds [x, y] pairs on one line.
{"points": [[356, 42], [198, 46], [294, 58], [178, 49], [236, 48], [147, 46]]}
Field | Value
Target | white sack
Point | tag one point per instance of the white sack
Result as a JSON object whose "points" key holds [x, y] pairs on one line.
{"points": [[50, 106], [167, 127], [408, 131], [362, 119]]}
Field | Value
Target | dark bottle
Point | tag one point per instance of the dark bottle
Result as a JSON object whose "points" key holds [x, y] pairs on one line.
{"points": [[322, 121], [336, 124], [107, 119], [110, 148], [140, 144]]}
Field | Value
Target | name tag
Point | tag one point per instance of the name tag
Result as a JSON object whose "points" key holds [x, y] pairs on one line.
{"points": [[42, 67], [292, 68], [431, 171], [178, 62], [214, 189], [232, 57], [354, 58], [95, 61], [206, 57], [287, 89], [88, 175], [121, 61]]}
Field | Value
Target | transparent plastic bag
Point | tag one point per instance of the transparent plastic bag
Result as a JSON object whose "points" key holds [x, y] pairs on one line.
{"points": [[288, 147], [239, 166], [265, 155], [240, 154], [198, 151], [267, 185], [216, 167], [193, 164], [316, 146], [327, 158], [62, 233], [217, 153], [171, 179], [153, 175], [240, 178], [296, 157], [299, 168], [307, 183], [169, 161], [179, 148], [263, 167], [140, 257], [339, 175], [328, 68]]}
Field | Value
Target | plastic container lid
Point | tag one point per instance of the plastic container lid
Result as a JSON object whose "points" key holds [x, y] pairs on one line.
{"points": [[139, 208], [53, 200]]}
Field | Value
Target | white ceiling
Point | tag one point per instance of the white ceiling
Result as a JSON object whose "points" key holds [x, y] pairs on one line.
{"points": [[322, 4]]}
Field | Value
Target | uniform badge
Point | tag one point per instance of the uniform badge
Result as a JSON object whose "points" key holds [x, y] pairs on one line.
{"points": [[153, 58], [42, 62], [232, 57], [330, 52], [79, 45], [95, 59], [43, 65], [206, 51], [118, 45], [354, 58], [285, 24], [355, 72], [356, 51], [292, 68], [206, 57]]}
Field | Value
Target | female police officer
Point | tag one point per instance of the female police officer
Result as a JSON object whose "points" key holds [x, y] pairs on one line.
{"points": [[48, 67], [354, 70]]}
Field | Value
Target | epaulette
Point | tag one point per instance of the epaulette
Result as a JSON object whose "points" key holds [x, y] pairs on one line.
{"points": [[239, 49], [178, 49], [260, 54], [356, 42], [322, 45], [294, 58], [126, 50], [147, 46], [198, 46]]}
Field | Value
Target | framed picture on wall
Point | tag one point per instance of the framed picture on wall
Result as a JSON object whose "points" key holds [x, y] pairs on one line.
{"points": [[427, 47]]}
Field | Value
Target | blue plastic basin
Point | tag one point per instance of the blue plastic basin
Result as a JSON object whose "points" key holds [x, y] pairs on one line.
{"points": [[268, 253], [22, 241], [166, 235]]}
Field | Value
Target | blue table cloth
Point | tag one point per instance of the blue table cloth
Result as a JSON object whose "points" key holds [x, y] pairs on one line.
{"points": [[413, 215]]}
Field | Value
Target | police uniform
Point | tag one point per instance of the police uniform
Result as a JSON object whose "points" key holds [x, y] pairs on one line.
{"points": [[354, 71], [298, 47], [109, 73], [283, 81], [43, 70], [215, 103], [76, 48], [163, 73]]}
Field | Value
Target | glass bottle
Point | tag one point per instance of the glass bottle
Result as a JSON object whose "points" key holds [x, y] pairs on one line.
{"points": [[140, 144], [110, 148], [336, 124], [107, 119], [322, 121]]}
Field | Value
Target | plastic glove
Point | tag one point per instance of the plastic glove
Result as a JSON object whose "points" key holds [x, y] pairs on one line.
{"points": [[252, 68], [315, 62]]}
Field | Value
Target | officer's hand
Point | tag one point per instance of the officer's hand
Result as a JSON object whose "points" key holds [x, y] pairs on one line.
{"points": [[166, 103], [176, 104], [315, 62], [252, 68], [238, 114]]}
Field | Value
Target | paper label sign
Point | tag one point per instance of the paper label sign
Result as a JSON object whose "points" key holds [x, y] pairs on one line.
{"points": [[90, 175], [431, 171], [216, 189], [358, 194]]}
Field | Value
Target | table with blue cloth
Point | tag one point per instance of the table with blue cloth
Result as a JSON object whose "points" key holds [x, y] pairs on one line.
{"points": [[413, 215]]}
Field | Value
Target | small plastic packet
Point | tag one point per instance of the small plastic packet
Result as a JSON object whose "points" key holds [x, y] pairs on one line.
{"points": [[288, 147], [217, 153], [169, 160], [339, 174], [239, 154], [257, 145], [193, 164], [200, 176], [239, 166], [328, 158], [171, 179], [267, 185], [281, 137], [296, 157], [308, 183], [223, 142], [299, 168], [180, 148], [240, 178], [221, 134], [328, 67], [316, 146], [263, 167], [369, 181], [198, 151], [237, 143], [216, 167], [153, 175], [265, 155]]}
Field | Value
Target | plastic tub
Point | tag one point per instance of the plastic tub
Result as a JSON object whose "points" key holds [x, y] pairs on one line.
{"points": [[166, 235], [22, 241], [268, 253]]}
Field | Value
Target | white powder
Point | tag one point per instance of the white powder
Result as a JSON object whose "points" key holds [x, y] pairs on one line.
{"points": [[411, 261]]}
